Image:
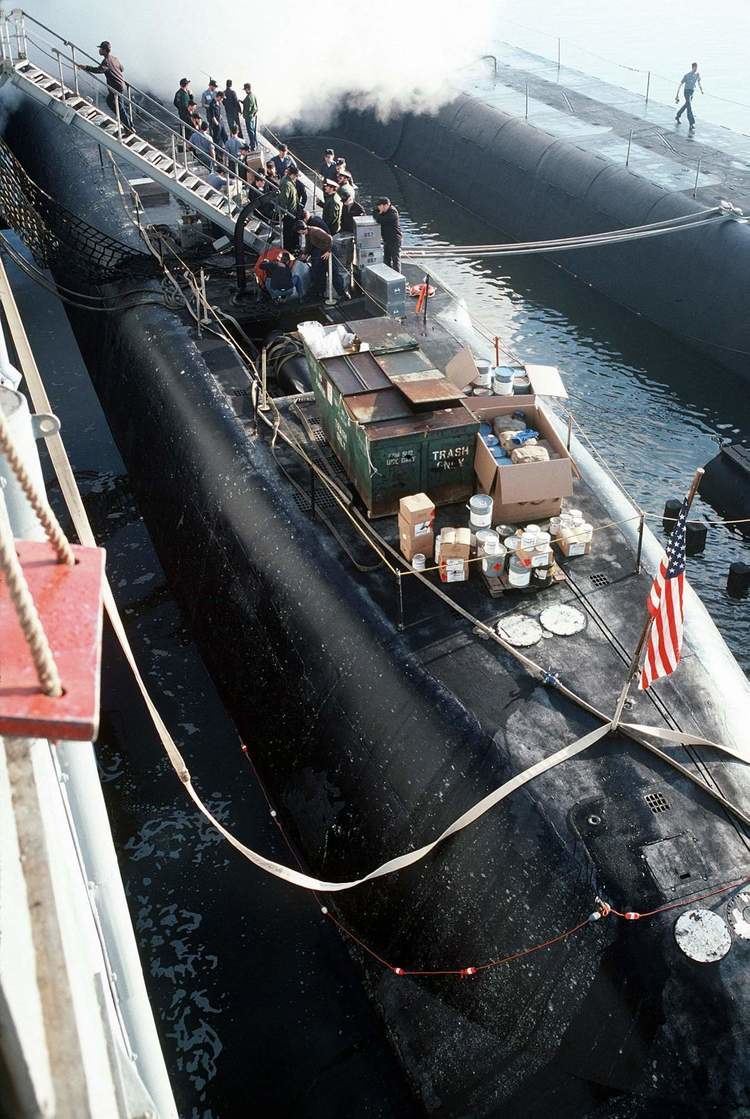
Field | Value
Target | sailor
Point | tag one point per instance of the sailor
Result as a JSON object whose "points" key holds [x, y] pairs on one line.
{"points": [[345, 180], [688, 84], [289, 200], [232, 107], [204, 146], [280, 283], [351, 209], [271, 172], [234, 147], [250, 115], [282, 160], [114, 73], [332, 206], [207, 96], [219, 132], [266, 207], [327, 169], [216, 181], [386, 215], [320, 247], [181, 102]]}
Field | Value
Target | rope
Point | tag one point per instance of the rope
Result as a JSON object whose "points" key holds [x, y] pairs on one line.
{"points": [[39, 504], [26, 612]]}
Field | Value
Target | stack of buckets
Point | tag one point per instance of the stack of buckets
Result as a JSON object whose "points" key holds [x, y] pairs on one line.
{"points": [[489, 546]]}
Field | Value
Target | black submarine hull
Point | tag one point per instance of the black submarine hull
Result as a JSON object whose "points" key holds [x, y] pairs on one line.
{"points": [[367, 752], [533, 185]]}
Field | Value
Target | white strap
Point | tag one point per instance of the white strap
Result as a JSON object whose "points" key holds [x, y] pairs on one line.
{"points": [[686, 739]]}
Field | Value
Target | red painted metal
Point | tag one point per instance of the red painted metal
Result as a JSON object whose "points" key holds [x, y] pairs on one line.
{"points": [[69, 602]]}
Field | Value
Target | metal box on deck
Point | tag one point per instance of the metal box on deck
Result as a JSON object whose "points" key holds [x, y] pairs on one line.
{"points": [[385, 288], [386, 449], [368, 241]]}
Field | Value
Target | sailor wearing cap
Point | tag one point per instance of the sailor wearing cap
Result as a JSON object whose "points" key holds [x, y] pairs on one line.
{"points": [[114, 73]]}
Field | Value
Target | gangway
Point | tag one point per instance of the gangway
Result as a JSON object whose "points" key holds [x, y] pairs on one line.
{"points": [[165, 167]]}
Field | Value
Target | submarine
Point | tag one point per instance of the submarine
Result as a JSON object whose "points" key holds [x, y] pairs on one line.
{"points": [[581, 948]]}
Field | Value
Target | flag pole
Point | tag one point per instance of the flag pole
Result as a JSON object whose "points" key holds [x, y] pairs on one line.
{"points": [[635, 660]]}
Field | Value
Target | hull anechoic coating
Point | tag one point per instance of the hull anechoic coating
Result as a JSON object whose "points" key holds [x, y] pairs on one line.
{"points": [[368, 749], [532, 186]]}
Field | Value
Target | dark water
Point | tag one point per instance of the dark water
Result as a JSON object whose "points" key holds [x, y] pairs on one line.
{"points": [[654, 408], [259, 1007]]}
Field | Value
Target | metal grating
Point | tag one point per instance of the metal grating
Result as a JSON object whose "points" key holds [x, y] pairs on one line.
{"points": [[657, 802], [599, 579]]}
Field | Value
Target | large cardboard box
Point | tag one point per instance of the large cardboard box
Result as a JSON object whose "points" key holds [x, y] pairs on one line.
{"points": [[411, 542], [523, 492]]}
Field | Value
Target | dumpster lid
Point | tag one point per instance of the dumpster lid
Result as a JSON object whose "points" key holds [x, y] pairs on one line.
{"points": [[383, 335], [370, 407], [355, 373]]}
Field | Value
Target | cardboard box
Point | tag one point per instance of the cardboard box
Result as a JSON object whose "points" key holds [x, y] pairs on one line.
{"points": [[455, 549], [418, 511], [411, 543], [574, 548], [522, 492]]}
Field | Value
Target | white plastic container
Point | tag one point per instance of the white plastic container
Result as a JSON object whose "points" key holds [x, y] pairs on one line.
{"points": [[418, 561], [480, 510], [484, 373], [502, 382], [512, 543], [483, 535], [519, 575]]}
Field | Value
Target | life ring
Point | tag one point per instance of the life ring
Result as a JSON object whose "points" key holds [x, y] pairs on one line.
{"points": [[415, 290]]}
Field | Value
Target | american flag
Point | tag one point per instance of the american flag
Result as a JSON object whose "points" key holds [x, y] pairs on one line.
{"points": [[665, 605]]}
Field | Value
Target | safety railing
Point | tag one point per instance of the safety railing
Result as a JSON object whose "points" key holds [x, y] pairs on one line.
{"points": [[16, 38]]}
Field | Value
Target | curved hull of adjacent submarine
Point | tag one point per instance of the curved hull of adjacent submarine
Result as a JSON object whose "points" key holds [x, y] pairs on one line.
{"points": [[368, 752], [533, 185]]}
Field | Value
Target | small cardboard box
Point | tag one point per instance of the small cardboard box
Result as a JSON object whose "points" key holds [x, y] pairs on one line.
{"points": [[523, 492], [572, 548], [455, 549], [418, 512], [411, 545]]}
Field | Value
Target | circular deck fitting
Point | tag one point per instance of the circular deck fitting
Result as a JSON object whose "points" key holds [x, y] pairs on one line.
{"points": [[562, 620], [520, 630], [702, 935], [738, 913]]}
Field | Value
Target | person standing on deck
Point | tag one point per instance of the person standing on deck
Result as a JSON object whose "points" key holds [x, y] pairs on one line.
{"points": [[327, 169], [319, 245], [114, 73], [689, 82], [332, 206], [250, 116], [289, 200], [232, 107], [386, 215], [282, 161], [202, 142], [234, 147], [351, 209], [207, 96], [181, 102]]}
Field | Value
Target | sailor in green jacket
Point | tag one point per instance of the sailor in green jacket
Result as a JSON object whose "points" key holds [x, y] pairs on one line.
{"points": [[250, 115], [332, 207], [289, 200]]}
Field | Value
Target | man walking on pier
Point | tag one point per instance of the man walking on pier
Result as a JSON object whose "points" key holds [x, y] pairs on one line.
{"points": [[689, 82]]}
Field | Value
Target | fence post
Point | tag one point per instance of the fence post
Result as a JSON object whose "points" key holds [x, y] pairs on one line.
{"points": [[526, 115], [697, 173], [330, 301], [648, 87], [117, 115], [60, 72], [559, 54], [630, 140]]}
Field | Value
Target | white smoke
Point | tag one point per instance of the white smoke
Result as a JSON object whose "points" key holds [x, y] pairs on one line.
{"points": [[302, 59]]}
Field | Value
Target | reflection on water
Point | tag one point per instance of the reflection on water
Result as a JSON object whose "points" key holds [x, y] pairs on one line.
{"points": [[653, 407]]}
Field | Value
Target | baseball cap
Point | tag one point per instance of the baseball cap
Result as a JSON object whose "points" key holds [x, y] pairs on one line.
{"points": [[104, 45]]}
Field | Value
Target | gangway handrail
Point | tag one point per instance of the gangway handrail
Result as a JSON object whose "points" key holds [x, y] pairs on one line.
{"points": [[175, 134]]}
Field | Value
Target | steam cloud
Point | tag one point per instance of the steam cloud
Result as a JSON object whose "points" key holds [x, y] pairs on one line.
{"points": [[301, 60]]}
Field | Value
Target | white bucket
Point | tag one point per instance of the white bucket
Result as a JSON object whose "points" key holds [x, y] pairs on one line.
{"points": [[483, 535], [502, 382], [418, 561], [480, 510], [484, 373]]}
